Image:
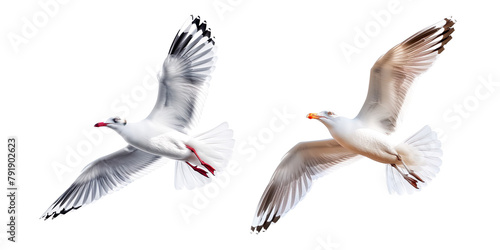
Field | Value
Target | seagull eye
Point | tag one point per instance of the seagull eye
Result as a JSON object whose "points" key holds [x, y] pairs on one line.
{"points": [[116, 119], [330, 113]]}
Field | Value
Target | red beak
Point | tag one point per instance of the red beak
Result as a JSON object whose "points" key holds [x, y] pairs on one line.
{"points": [[100, 124]]}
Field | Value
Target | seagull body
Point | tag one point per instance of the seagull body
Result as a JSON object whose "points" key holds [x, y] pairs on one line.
{"points": [[165, 133], [158, 140], [353, 135], [409, 165]]}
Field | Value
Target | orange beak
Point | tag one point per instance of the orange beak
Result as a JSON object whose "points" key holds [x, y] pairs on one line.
{"points": [[313, 116]]}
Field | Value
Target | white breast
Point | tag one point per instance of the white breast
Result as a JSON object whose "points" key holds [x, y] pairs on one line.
{"points": [[364, 141], [157, 140]]}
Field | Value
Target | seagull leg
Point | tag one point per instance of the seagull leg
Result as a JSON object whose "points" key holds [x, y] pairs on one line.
{"points": [[197, 169], [413, 182], [210, 168], [411, 172]]}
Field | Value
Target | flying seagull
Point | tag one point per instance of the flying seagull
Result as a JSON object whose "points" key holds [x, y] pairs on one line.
{"points": [[165, 133], [409, 165]]}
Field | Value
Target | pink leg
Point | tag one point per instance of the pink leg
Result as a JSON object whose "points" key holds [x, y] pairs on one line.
{"points": [[197, 169], [210, 168]]}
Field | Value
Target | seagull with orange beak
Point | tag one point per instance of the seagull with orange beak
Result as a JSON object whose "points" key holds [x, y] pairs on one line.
{"points": [[409, 165]]}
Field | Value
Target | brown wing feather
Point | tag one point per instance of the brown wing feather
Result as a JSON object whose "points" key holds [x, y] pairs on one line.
{"points": [[293, 178], [393, 73]]}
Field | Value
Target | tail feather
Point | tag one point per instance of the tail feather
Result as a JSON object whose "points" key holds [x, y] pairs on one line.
{"points": [[186, 177], [215, 148], [422, 154]]}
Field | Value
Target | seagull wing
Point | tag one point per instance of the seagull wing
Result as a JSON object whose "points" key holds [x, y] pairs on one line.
{"points": [[103, 176], [293, 178], [394, 72], [185, 76]]}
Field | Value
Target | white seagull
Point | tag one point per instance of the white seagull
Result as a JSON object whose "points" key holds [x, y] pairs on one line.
{"points": [[410, 164], [165, 132]]}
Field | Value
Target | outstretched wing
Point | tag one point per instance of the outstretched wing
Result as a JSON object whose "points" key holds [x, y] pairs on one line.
{"points": [[185, 76], [293, 178], [393, 74], [103, 176]]}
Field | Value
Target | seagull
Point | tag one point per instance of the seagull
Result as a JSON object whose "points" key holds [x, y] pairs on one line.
{"points": [[165, 133], [409, 165]]}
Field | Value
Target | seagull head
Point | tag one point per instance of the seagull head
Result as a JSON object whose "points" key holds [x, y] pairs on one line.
{"points": [[325, 117], [113, 122], [322, 115]]}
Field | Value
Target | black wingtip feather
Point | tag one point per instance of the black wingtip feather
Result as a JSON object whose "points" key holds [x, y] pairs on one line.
{"points": [[203, 26], [183, 38], [196, 20], [265, 225], [207, 32], [54, 215]]}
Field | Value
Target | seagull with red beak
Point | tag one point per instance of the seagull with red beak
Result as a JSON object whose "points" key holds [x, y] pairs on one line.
{"points": [[165, 133], [409, 165]]}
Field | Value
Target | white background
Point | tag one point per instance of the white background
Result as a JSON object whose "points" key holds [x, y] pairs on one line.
{"points": [[279, 56]]}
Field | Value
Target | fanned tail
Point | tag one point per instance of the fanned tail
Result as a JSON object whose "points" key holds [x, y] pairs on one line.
{"points": [[215, 148], [422, 155]]}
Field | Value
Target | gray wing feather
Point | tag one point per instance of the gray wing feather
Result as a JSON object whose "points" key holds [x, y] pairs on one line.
{"points": [[185, 76], [103, 176]]}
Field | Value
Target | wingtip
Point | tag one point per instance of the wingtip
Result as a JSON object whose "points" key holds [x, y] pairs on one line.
{"points": [[264, 226], [445, 23], [201, 25], [195, 20], [54, 214], [450, 19], [185, 33], [46, 216], [256, 229]]}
